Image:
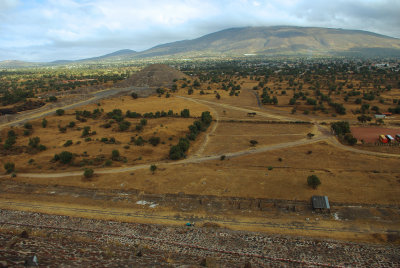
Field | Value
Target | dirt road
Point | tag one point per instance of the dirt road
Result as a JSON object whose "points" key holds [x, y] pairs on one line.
{"points": [[93, 97]]}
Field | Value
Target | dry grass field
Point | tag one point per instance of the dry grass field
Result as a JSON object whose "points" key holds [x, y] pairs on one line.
{"points": [[230, 137], [169, 129], [264, 171], [365, 179]]}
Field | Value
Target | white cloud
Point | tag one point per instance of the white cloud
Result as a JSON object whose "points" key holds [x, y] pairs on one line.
{"points": [[82, 28]]}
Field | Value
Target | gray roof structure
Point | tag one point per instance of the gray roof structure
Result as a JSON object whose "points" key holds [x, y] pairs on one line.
{"points": [[320, 202]]}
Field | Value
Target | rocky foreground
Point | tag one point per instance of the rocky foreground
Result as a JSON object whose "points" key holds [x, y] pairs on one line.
{"points": [[60, 241]]}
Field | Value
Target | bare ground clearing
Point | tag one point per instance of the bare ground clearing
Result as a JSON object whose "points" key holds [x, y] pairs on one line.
{"points": [[371, 134]]}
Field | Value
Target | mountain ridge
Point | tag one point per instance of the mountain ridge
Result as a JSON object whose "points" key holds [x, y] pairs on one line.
{"points": [[258, 41]]}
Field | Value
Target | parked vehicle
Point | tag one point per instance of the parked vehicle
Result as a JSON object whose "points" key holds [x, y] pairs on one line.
{"points": [[383, 139], [390, 138], [398, 137]]}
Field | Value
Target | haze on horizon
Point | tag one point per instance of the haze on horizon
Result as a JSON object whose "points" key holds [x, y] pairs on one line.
{"points": [[48, 30]]}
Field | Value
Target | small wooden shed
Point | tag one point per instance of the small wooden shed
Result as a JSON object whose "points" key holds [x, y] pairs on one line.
{"points": [[320, 203]]}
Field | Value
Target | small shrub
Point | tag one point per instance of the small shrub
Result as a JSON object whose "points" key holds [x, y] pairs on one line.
{"points": [[124, 125], [139, 141], [60, 112], [71, 124], [143, 122], [68, 143], [65, 157], [154, 141], [86, 131], [62, 129], [9, 167], [42, 147], [34, 142], [108, 163], [253, 142], [88, 173], [28, 125], [44, 123], [115, 155], [185, 113], [222, 157], [139, 127], [153, 168], [134, 95]]}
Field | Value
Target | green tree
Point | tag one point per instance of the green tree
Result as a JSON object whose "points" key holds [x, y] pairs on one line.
{"points": [[28, 125], [154, 141], [86, 131], [88, 173], [68, 143], [143, 121], [206, 118], [124, 125], [185, 113], [139, 141], [9, 142], [364, 118], [60, 112], [313, 181], [65, 157], [9, 167], [34, 142], [341, 127], [153, 168], [115, 155], [253, 142], [176, 152], [44, 123], [183, 144]]}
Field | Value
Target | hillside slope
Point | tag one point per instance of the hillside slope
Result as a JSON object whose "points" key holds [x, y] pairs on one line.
{"points": [[280, 40]]}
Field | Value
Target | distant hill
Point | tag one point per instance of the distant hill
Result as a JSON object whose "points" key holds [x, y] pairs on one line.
{"points": [[280, 40], [255, 41], [115, 56], [9, 64]]}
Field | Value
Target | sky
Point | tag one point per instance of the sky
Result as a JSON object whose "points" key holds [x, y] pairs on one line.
{"points": [[48, 30]]}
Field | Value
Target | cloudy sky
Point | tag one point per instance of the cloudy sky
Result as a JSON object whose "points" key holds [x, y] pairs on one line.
{"points": [[47, 30]]}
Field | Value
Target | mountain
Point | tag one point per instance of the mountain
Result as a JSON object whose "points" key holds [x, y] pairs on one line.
{"points": [[280, 40], [115, 56], [18, 64], [254, 41]]}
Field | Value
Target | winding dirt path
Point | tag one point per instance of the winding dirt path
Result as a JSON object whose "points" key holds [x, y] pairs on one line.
{"points": [[321, 134], [207, 136]]}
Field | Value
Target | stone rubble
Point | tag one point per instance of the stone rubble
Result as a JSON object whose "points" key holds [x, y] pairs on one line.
{"points": [[62, 241]]}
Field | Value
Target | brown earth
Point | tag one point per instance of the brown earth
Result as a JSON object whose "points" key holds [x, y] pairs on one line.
{"points": [[371, 134], [348, 177]]}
